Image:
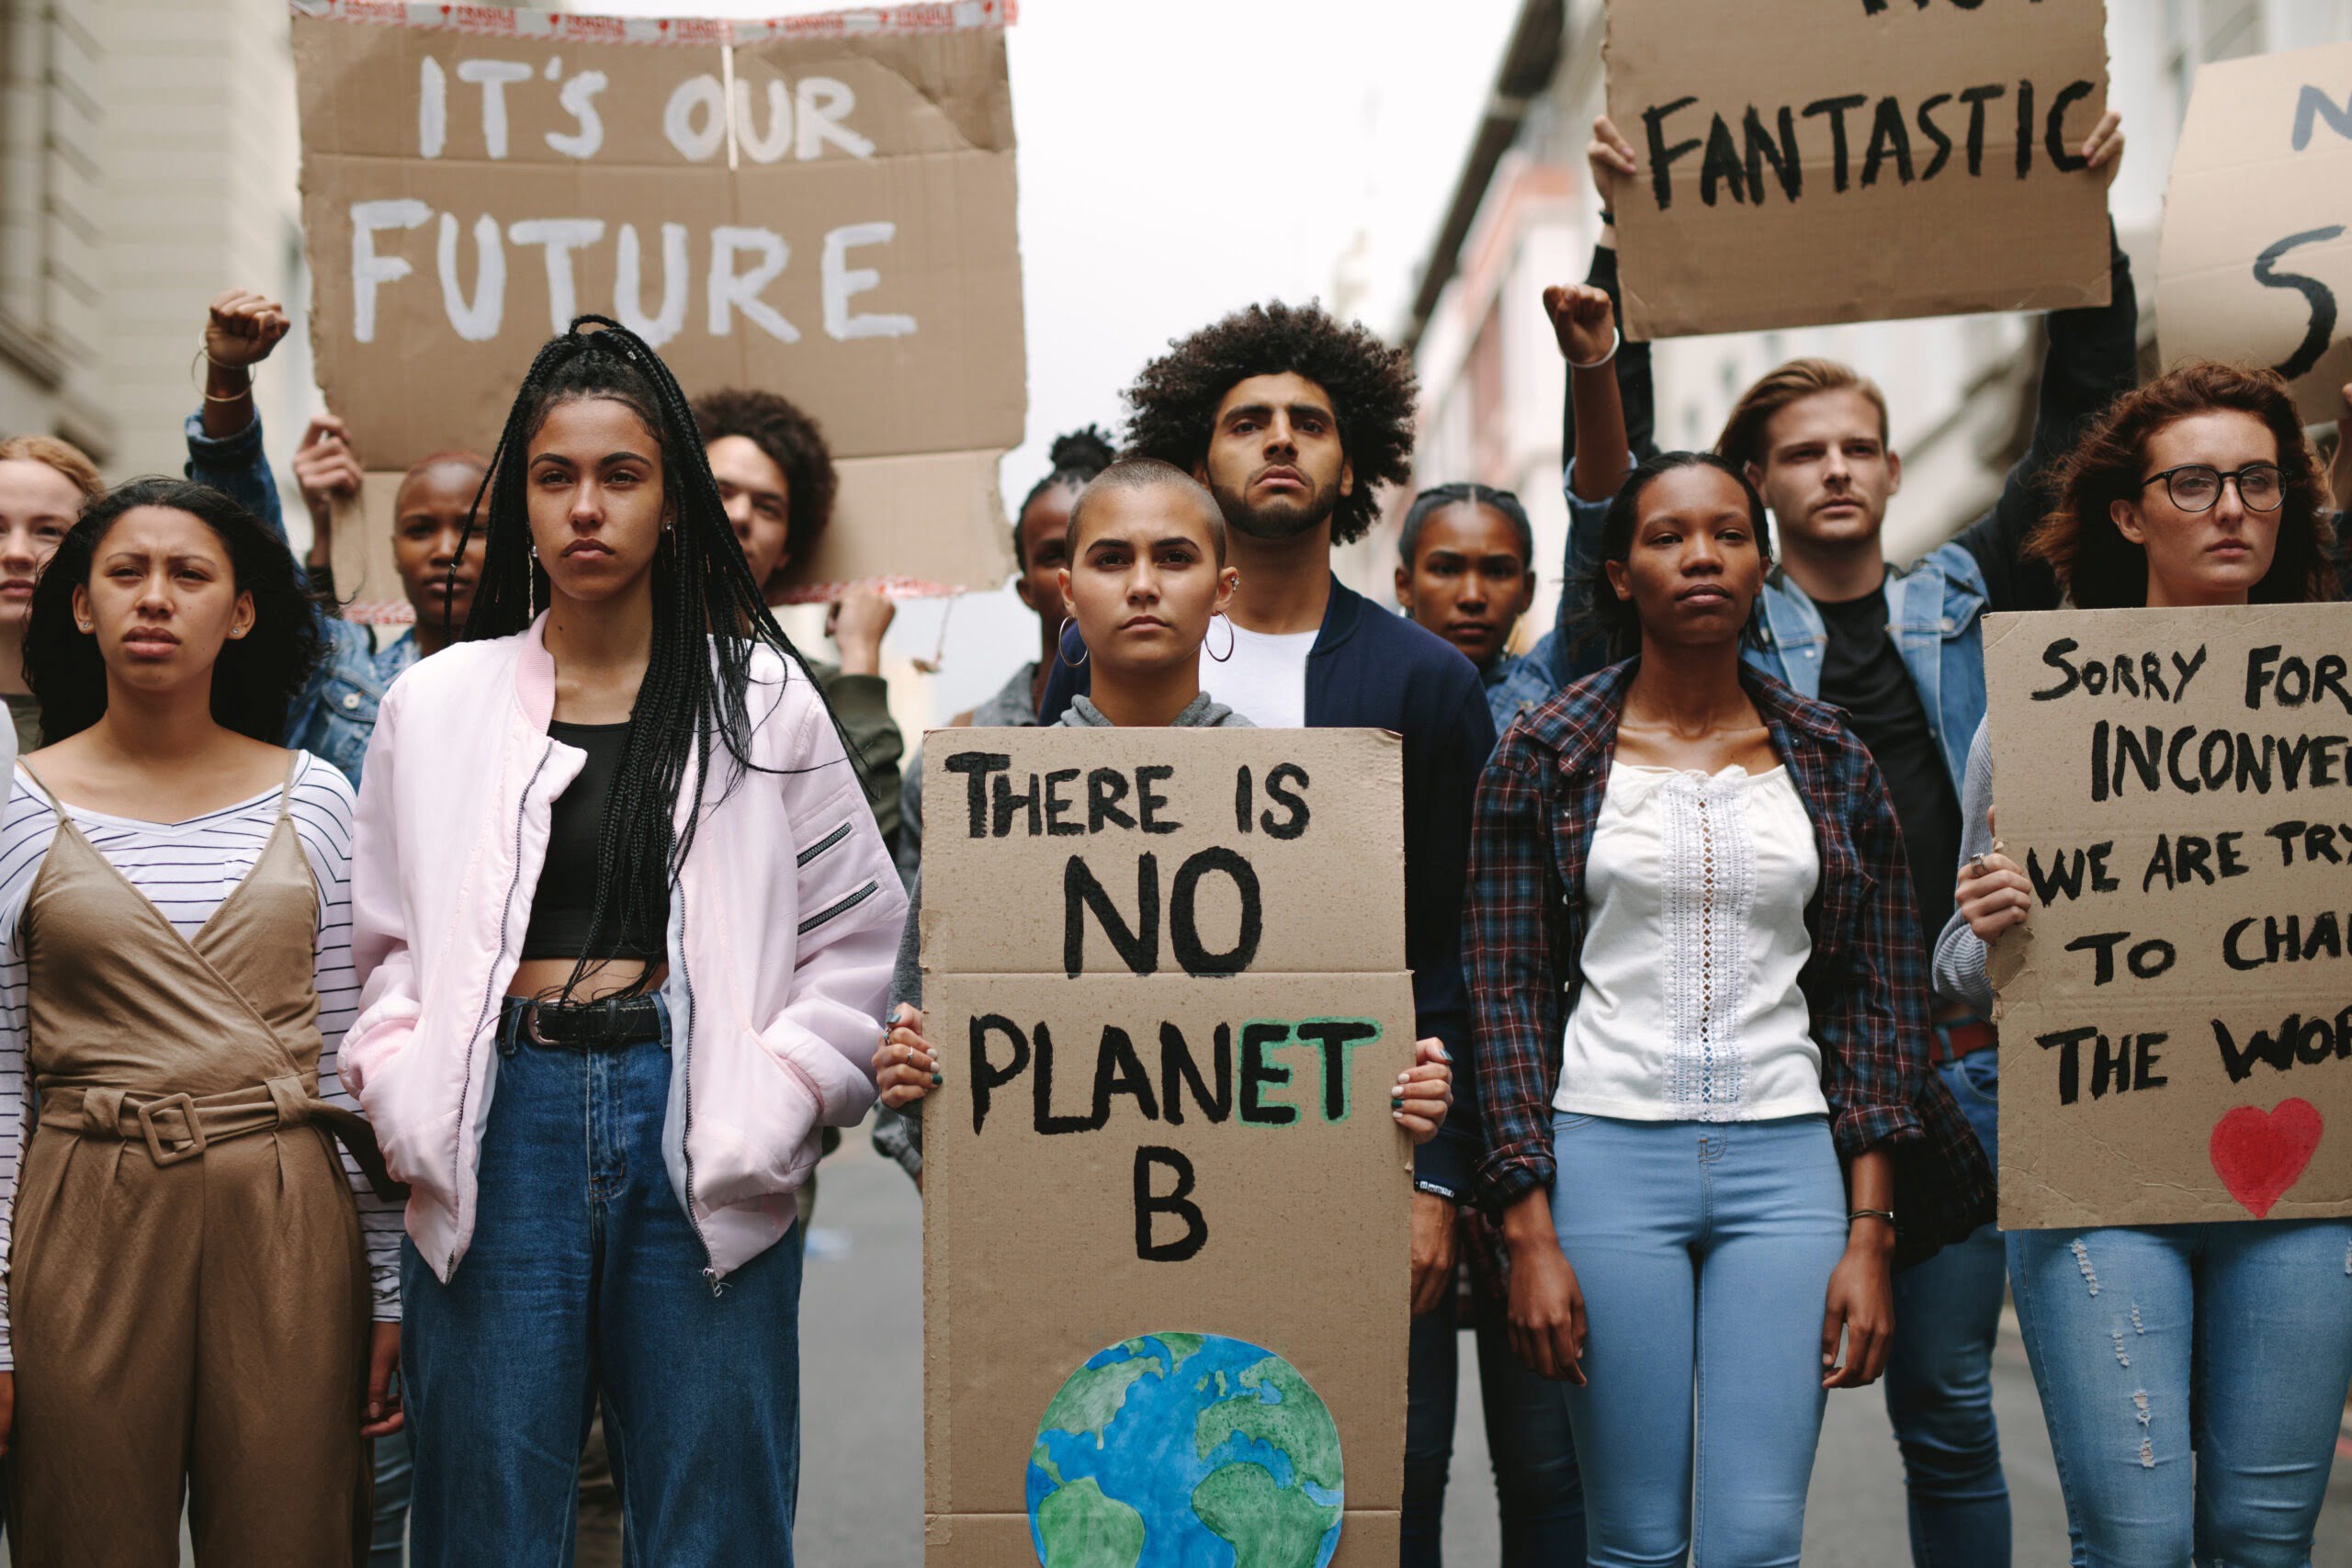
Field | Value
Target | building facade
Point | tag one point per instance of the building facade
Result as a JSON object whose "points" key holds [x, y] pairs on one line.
{"points": [[149, 156], [1960, 388]]}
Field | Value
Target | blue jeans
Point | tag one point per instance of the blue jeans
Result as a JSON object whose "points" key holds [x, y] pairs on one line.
{"points": [[585, 1282], [1705, 1252], [388, 1539], [1537, 1491], [2231, 1342], [1940, 1377]]}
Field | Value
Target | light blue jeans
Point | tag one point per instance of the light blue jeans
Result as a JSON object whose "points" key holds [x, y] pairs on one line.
{"points": [[583, 1284], [1940, 1376], [1705, 1252], [2230, 1342]]}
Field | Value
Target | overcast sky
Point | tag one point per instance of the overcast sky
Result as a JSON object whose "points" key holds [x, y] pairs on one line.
{"points": [[1180, 160]]}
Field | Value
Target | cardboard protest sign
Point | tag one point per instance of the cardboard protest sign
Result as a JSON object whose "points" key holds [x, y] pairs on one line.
{"points": [[2177, 1014], [2256, 265], [820, 206], [1165, 1213], [1855, 159]]}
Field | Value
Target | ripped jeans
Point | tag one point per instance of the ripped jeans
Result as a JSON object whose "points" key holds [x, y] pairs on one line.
{"points": [[2232, 1342]]}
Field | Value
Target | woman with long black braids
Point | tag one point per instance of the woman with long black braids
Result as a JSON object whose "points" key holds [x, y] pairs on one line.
{"points": [[664, 867]]}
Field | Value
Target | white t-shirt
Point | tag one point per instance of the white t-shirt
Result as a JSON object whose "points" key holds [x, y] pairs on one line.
{"points": [[1695, 891], [1265, 681]]}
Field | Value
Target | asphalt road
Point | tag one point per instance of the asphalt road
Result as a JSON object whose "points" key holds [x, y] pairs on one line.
{"points": [[861, 1467], [861, 1476]]}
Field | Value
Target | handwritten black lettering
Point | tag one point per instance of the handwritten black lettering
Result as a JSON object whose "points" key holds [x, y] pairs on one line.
{"points": [[987, 1076], [2318, 298], [1179, 1071], [2314, 104], [1178, 1202], [1138, 945], [976, 767]]}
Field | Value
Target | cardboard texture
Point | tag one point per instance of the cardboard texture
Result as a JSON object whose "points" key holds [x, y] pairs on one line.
{"points": [[2256, 264], [1860, 160], [2177, 1015], [1291, 1233], [825, 212]]}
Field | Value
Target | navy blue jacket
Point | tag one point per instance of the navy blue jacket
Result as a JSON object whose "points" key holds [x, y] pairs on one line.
{"points": [[1371, 670]]}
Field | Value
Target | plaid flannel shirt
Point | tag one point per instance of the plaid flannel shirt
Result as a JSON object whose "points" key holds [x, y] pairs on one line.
{"points": [[1865, 981]]}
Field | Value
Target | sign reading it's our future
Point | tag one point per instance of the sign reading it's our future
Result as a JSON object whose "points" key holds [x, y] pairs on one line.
{"points": [[1817, 161], [2175, 1015], [1165, 1210], [820, 206]]}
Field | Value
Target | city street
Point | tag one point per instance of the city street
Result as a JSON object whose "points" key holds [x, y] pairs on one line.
{"points": [[860, 1477]]}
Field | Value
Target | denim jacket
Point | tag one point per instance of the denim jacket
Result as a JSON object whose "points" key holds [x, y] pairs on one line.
{"points": [[1935, 608], [334, 713]]}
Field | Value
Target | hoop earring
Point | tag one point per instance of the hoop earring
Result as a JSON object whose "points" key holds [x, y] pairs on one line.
{"points": [[1060, 639], [1232, 636]]}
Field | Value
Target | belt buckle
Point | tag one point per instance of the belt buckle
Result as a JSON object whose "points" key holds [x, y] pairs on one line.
{"points": [[186, 1107], [531, 1026]]}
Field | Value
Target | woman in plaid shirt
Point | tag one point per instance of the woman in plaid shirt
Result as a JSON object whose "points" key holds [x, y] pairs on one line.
{"points": [[1692, 943]]}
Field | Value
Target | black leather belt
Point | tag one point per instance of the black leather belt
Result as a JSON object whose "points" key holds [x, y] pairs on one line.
{"points": [[593, 1026]]}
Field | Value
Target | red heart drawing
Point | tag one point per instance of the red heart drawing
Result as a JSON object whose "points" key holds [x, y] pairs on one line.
{"points": [[2260, 1154]]}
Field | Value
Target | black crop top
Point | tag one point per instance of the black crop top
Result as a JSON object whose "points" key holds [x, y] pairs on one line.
{"points": [[565, 903]]}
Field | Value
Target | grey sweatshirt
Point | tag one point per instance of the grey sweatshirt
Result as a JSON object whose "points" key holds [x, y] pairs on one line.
{"points": [[1959, 965], [898, 1134]]}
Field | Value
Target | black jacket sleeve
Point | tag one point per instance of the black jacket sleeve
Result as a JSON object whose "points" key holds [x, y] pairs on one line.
{"points": [[2093, 355], [1440, 783]]}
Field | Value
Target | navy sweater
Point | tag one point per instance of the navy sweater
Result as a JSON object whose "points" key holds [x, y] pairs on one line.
{"points": [[1370, 670]]}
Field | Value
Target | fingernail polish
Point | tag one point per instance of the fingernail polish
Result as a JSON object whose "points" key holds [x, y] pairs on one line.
{"points": [[1395, 1102], [936, 1081]]}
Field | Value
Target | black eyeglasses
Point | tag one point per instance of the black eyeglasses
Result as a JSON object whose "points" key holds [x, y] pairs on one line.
{"points": [[2195, 487]]}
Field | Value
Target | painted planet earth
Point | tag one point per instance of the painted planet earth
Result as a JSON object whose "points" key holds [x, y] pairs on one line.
{"points": [[1185, 1450]]}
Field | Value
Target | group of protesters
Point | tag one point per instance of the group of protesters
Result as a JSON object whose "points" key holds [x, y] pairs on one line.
{"points": [[418, 1055]]}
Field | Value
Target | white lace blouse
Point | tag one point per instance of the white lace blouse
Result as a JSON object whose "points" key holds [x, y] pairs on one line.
{"points": [[1695, 894]]}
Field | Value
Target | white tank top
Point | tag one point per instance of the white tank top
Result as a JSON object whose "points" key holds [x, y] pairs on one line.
{"points": [[1695, 894]]}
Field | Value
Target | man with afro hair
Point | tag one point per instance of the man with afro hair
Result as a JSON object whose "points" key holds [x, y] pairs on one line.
{"points": [[1292, 419]]}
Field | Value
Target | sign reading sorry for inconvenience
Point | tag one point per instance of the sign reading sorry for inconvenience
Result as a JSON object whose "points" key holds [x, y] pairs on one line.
{"points": [[1856, 159], [1165, 1213], [2177, 1015], [821, 208], [2256, 261]]}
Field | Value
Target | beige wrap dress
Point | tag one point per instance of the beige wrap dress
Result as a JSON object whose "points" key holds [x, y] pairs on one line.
{"points": [[189, 1299]]}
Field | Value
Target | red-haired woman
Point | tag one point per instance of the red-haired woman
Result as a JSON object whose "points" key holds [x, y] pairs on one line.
{"points": [[2150, 1342]]}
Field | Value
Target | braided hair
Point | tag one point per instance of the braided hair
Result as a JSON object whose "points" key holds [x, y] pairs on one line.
{"points": [[1077, 458], [710, 619]]}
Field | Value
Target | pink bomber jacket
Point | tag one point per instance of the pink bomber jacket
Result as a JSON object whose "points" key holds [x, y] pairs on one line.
{"points": [[782, 932]]}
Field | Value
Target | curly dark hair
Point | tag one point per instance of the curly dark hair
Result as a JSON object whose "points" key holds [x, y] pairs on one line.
{"points": [[790, 439], [1617, 618], [256, 677], [2098, 568], [1371, 386]]}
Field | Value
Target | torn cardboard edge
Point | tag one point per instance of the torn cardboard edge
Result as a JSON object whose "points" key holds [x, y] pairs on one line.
{"points": [[498, 21]]}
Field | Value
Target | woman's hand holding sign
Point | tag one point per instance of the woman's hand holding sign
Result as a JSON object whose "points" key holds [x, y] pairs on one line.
{"points": [[1423, 1092], [904, 1069], [1994, 894]]}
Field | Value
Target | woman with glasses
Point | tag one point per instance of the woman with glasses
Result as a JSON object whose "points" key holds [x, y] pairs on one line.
{"points": [[2234, 1339]]}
